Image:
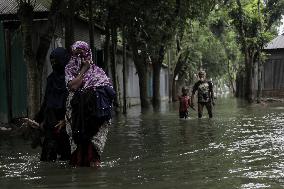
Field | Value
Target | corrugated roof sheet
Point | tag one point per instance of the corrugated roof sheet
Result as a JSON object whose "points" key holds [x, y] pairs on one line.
{"points": [[276, 43], [11, 6]]}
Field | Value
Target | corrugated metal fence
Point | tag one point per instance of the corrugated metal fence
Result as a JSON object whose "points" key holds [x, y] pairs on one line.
{"points": [[13, 76], [274, 74]]}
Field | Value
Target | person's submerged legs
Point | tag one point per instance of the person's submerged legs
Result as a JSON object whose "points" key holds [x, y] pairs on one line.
{"points": [[209, 109], [200, 110]]}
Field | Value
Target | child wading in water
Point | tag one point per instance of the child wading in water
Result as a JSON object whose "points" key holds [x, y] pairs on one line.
{"points": [[184, 103]]}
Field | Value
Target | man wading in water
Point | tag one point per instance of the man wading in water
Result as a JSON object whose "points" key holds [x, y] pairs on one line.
{"points": [[205, 94]]}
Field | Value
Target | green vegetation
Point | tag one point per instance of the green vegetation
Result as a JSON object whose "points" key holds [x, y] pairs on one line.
{"points": [[224, 37]]}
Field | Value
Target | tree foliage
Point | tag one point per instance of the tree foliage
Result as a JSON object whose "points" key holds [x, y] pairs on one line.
{"points": [[254, 22]]}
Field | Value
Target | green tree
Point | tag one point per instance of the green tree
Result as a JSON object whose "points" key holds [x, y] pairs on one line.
{"points": [[219, 24], [150, 26], [254, 22], [163, 22]]}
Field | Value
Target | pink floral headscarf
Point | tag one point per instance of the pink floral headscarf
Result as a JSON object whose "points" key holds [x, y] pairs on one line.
{"points": [[94, 77]]}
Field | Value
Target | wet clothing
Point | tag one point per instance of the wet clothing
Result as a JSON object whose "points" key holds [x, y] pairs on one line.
{"points": [[184, 103], [205, 96], [53, 108], [208, 106], [88, 115], [93, 78], [88, 110], [204, 89], [56, 141], [56, 92], [91, 110]]}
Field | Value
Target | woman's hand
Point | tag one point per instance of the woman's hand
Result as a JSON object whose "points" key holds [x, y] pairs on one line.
{"points": [[86, 64], [78, 81], [30, 122], [59, 126]]}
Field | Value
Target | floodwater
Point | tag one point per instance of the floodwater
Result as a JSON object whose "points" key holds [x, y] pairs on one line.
{"points": [[241, 147]]}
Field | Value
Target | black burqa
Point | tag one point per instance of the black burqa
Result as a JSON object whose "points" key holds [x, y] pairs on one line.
{"points": [[53, 108]]}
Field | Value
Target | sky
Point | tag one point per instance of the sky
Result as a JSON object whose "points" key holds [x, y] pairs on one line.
{"points": [[281, 28]]}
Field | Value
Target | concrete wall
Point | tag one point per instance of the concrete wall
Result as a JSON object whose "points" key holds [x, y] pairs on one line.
{"points": [[133, 91]]}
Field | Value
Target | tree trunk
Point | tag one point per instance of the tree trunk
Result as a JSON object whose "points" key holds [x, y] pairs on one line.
{"points": [[91, 30], [142, 70], [33, 89], [156, 85], [114, 65], [124, 72], [35, 62], [259, 79], [247, 55], [106, 66], [46, 38], [143, 86], [182, 58], [157, 65], [169, 77], [69, 24], [174, 90], [33, 80], [249, 79], [230, 78]]}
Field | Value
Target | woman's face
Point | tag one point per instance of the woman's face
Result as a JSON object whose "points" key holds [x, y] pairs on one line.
{"points": [[79, 52], [56, 65]]}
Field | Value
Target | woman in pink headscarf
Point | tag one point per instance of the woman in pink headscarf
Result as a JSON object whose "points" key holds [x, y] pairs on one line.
{"points": [[89, 106]]}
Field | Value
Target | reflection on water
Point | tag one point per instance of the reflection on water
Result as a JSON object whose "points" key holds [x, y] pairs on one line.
{"points": [[241, 147]]}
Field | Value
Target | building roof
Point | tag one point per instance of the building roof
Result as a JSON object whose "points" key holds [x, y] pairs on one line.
{"points": [[11, 6], [276, 43]]}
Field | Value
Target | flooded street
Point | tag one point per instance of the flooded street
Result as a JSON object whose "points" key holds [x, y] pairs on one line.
{"points": [[241, 147]]}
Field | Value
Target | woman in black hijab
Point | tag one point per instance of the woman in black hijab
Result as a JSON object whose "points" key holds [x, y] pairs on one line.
{"points": [[52, 112]]}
